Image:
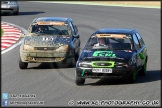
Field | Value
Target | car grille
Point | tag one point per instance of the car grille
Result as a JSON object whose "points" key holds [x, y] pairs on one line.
{"points": [[103, 64], [49, 59], [45, 59], [109, 64], [44, 48]]}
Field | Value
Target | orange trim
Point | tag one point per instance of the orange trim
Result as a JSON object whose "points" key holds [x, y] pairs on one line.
{"points": [[111, 35], [50, 23]]}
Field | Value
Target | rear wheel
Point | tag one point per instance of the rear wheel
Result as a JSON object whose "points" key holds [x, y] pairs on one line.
{"points": [[22, 65], [79, 81]]}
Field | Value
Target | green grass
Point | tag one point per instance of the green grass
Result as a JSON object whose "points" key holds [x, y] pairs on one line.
{"points": [[2, 32]]}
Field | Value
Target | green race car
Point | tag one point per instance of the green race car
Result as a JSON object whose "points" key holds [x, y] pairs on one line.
{"points": [[116, 53]]}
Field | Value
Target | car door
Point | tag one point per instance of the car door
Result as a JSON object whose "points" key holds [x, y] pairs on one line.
{"points": [[77, 34], [142, 48], [76, 40], [138, 51]]}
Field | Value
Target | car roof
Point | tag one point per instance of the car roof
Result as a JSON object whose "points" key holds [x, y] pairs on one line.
{"points": [[114, 30], [62, 19]]}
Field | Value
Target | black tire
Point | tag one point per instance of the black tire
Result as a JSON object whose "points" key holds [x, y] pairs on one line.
{"points": [[79, 81], [55, 65], [142, 72], [73, 62], [134, 76], [69, 63], [5, 13], [16, 13], [77, 55], [22, 65]]}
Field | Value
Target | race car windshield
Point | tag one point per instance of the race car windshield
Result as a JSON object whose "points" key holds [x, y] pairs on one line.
{"points": [[50, 29], [113, 43]]}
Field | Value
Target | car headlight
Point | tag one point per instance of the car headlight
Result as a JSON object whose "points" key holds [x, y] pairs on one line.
{"points": [[12, 2], [85, 64], [63, 48], [132, 61], [28, 47]]}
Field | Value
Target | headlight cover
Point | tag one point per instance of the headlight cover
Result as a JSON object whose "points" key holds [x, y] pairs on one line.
{"points": [[28, 48], [131, 62], [85, 64], [63, 48]]}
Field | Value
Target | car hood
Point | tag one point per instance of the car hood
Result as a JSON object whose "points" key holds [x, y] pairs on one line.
{"points": [[47, 41], [105, 55]]}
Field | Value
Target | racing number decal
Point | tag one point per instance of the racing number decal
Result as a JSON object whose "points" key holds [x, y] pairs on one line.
{"points": [[47, 39], [104, 53]]}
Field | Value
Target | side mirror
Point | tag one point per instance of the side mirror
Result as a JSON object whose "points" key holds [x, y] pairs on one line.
{"points": [[22, 35], [80, 49], [141, 55], [76, 36]]}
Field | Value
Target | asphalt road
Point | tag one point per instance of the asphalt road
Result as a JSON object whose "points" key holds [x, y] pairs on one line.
{"points": [[55, 86]]}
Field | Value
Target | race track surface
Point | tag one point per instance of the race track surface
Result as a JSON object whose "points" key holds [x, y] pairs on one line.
{"points": [[55, 85]]}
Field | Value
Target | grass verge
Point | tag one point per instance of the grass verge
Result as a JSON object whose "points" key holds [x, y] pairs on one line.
{"points": [[2, 32]]}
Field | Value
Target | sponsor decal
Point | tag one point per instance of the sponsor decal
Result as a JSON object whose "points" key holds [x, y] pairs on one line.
{"points": [[104, 53], [83, 71]]}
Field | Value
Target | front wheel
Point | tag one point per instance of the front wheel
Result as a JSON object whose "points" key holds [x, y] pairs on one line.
{"points": [[73, 62], [22, 65], [16, 13], [142, 72], [77, 55], [79, 81], [133, 76]]}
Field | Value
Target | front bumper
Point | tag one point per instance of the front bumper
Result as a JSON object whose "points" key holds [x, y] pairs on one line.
{"points": [[44, 56], [121, 73]]}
